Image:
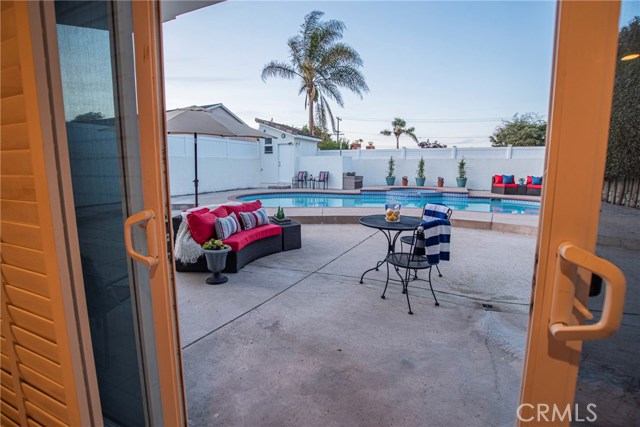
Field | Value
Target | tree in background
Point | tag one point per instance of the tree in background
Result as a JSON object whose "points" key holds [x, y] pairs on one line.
{"points": [[622, 173], [526, 130], [399, 129], [329, 143], [434, 144], [323, 65], [88, 117]]}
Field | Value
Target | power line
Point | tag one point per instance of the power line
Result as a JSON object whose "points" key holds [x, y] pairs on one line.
{"points": [[443, 137], [432, 120]]}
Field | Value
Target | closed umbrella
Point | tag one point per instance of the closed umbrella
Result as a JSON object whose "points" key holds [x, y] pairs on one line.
{"points": [[195, 120]]}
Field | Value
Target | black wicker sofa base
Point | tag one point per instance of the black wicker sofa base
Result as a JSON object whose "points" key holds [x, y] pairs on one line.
{"points": [[235, 259]]}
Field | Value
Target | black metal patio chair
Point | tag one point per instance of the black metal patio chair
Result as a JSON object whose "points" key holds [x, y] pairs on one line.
{"points": [[430, 212], [415, 259]]}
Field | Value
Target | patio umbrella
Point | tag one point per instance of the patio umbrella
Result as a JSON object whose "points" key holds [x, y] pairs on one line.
{"points": [[195, 120]]}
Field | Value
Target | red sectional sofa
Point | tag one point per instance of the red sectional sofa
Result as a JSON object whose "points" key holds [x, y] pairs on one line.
{"points": [[533, 189], [246, 245], [499, 187]]}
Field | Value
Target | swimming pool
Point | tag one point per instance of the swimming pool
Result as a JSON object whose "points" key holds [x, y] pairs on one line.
{"points": [[408, 198]]}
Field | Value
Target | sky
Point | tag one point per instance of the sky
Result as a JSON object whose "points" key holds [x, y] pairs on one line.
{"points": [[453, 70]]}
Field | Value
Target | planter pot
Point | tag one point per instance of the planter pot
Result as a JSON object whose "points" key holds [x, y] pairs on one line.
{"points": [[216, 261], [461, 182], [440, 183], [420, 181], [391, 180], [405, 182]]}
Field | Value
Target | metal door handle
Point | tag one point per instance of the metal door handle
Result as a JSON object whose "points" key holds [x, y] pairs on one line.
{"points": [[150, 217], [564, 300]]}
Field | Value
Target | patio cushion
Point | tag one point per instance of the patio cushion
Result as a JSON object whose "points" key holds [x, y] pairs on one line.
{"points": [[201, 223], [506, 185], [245, 207], [508, 179], [254, 219], [529, 179], [302, 175], [534, 186], [227, 226], [323, 176], [536, 180], [497, 179], [243, 238]]}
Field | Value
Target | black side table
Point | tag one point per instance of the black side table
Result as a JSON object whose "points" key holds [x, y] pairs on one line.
{"points": [[522, 190], [291, 235]]}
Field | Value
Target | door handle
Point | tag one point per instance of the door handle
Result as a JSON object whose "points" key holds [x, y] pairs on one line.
{"points": [[148, 216], [564, 301]]}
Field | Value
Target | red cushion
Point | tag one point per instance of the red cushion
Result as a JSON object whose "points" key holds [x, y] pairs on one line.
{"points": [[201, 223], [534, 186], [245, 207], [529, 180], [243, 238], [197, 211], [506, 185], [497, 179]]}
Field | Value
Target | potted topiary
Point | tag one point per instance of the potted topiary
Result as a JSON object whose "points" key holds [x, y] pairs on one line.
{"points": [[420, 178], [462, 173], [216, 253], [280, 218], [405, 181], [391, 179], [440, 181]]}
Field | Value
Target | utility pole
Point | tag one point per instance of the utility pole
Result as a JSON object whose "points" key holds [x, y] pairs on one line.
{"points": [[338, 135]]}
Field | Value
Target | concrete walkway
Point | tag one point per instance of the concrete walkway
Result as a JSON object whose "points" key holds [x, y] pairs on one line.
{"points": [[521, 224]]}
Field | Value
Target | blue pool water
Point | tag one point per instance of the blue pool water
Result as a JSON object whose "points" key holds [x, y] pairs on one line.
{"points": [[408, 198]]}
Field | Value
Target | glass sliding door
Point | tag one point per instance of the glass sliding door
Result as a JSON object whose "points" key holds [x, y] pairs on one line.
{"points": [[96, 54]]}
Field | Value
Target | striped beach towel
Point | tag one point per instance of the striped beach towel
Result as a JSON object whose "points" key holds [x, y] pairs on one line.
{"points": [[435, 211], [437, 239]]}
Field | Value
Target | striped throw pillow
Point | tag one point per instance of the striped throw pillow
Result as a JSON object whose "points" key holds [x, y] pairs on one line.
{"points": [[227, 226], [254, 219]]}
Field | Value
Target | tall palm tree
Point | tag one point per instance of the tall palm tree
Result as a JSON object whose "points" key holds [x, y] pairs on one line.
{"points": [[399, 129], [323, 64]]}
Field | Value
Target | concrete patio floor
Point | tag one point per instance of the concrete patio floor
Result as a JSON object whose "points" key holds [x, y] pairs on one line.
{"points": [[294, 339]]}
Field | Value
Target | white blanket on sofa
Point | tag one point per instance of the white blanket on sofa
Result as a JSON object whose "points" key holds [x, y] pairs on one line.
{"points": [[186, 249]]}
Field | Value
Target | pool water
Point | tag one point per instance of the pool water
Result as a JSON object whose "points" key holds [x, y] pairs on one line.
{"points": [[415, 199]]}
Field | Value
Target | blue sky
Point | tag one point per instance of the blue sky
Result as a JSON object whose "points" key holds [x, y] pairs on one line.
{"points": [[451, 69]]}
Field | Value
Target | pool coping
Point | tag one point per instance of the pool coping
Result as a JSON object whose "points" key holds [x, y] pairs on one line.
{"points": [[508, 223]]}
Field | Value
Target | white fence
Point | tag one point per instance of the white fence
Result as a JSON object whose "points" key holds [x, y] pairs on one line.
{"points": [[482, 164], [442, 153], [223, 164]]}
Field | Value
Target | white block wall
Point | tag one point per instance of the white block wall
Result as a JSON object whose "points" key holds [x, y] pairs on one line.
{"points": [[482, 164], [222, 164], [335, 165]]}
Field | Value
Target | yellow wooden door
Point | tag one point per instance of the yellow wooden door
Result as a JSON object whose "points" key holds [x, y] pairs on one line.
{"points": [[582, 88]]}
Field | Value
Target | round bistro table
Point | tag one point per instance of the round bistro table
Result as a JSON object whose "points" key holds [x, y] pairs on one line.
{"points": [[379, 222]]}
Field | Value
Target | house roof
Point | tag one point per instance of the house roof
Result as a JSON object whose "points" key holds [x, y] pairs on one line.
{"points": [[284, 128]]}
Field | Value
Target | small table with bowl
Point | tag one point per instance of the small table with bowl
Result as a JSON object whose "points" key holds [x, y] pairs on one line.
{"points": [[389, 223]]}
